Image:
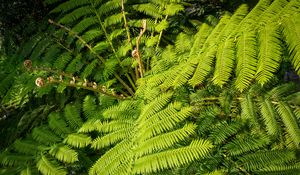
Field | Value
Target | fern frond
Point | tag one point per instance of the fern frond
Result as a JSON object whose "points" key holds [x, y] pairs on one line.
{"points": [[72, 115], [263, 159], [173, 158], [78, 140], [76, 14], [165, 123], [280, 169], [249, 109], [44, 135], [269, 117], [111, 138], [292, 34], [172, 9], [225, 62], [269, 53], [149, 9], [126, 109], [108, 7], [164, 141], [208, 53], [26, 146], [289, 121], [84, 24], [62, 61], [223, 130], [58, 124], [48, 167], [112, 158], [9, 159], [69, 5], [113, 19], [246, 59], [90, 126], [64, 153], [242, 145]]}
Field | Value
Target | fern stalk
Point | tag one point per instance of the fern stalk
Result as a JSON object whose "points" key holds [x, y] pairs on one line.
{"points": [[93, 52]]}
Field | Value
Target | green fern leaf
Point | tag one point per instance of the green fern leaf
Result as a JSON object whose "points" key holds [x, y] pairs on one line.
{"points": [[64, 153], [44, 135], [78, 140], [269, 53], [47, 167], [292, 33], [269, 116], [72, 115], [246, 59], [172, 158], [289, 121]]}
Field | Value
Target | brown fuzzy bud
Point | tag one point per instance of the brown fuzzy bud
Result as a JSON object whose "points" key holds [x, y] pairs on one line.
{"points": [[134, 53], [85, 83], [28, 64], [50, 79], [94, 85], [61, 78], [72, 82], [39, 82]]}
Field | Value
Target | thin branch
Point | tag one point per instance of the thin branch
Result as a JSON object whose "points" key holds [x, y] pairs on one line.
{"points": [[160, 35], [126, 24], [138, 54], [95, 89], [92, 51]]}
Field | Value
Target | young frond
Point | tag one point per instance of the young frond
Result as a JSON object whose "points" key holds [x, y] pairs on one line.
{"points": [[64, 153], [90, 126]]}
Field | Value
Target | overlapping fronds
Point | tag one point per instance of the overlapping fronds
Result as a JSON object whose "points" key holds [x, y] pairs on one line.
{"points": [[140, 145]]}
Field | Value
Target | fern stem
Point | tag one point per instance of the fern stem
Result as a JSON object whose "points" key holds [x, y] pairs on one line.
{"points": [[101, 90], [112, 47], [160, 35], [92, 51], [126, 24], [138, 54]]}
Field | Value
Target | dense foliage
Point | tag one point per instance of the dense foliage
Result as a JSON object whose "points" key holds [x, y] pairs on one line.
{"points": [[144, 87]]}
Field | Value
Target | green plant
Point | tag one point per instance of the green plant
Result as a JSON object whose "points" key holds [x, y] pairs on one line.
{"points": [[214, 102]]}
